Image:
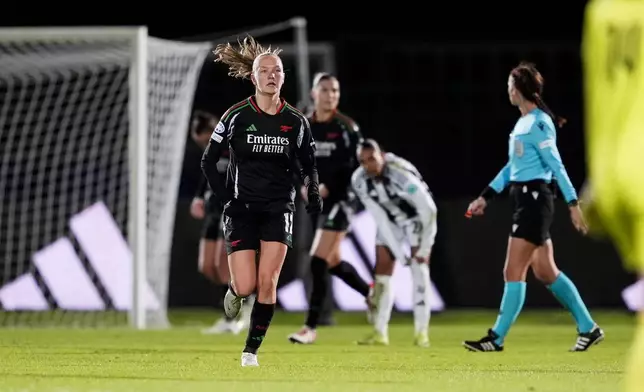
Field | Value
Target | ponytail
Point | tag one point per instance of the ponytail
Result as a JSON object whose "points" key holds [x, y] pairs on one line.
{"points": [[560, 121]]}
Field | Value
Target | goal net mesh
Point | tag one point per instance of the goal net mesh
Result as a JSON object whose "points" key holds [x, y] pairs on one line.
{"points": [[65, 176]]}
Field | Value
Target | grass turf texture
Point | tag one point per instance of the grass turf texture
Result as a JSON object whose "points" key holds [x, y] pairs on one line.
{"points": [[181, 359]]}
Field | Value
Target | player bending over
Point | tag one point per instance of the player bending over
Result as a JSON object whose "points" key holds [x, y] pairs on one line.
{"points": [[394, 193], [212, 253], [533, 162], [265, 137], [336, 138]]}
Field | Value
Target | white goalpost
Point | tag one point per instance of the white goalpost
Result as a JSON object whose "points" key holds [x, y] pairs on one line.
{"points": [[92, 134], [93, 126]]}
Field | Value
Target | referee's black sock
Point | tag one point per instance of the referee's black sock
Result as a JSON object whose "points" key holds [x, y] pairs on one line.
{"points": [[349, 275], [319, 270], [260, 319]]}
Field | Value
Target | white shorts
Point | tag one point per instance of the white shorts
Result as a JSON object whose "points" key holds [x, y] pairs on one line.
{"points": [[407, 232]]}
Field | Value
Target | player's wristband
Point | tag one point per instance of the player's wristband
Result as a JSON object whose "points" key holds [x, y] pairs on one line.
{"points": [[488, 193], [573, 203]]}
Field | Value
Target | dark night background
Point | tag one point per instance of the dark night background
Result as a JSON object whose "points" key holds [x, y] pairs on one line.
{"points": [[427, 80]]}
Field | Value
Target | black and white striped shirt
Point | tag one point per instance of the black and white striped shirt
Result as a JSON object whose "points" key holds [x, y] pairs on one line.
{"points": [[396, 197]]}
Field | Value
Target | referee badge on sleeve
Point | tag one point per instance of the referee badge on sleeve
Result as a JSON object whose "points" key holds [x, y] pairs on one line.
{"points": [[518, 148]]}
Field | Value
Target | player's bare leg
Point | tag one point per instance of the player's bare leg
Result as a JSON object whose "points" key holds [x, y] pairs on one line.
{"points": [[227, 324], [382, 297], [207, 250], [326, 259], [271, 259], [208, 267], [243, 280]]}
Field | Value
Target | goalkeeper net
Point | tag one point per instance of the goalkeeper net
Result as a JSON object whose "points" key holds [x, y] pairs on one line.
{"points": [[68, 171]]}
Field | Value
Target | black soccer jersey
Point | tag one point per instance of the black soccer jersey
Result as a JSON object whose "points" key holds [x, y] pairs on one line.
{"points": [[263, 149], [336, 142]]}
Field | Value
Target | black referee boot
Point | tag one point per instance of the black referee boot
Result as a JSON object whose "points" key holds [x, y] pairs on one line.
{"points": [[485, 344], [587, 339]]}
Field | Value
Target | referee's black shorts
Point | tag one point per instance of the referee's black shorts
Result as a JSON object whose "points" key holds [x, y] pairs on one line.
{"points": [[245, 226], [534, 208]]}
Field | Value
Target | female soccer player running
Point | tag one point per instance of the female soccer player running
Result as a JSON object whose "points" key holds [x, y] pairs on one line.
{"points": [[394, 193], [336, 138], [533, 160], [212, 254], [264, 136]]}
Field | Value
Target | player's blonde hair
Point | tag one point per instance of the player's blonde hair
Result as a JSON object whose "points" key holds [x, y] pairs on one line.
{"points": [[240, 60]]}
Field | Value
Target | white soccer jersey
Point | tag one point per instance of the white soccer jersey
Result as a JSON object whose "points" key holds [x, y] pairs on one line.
{"points": [[401, 204]]}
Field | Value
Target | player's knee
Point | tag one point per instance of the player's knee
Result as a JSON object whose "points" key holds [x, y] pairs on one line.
{"points": [[322, 251], [207, 270], [513, 272], [384, 268], [333, 259], [546, 276], [244, 286]]}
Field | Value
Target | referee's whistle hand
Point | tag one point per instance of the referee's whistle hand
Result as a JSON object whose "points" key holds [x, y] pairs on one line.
{"points": [[477, 207]]}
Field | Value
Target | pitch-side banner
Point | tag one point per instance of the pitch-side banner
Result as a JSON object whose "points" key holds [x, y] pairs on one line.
{"points": [[73, 284]]}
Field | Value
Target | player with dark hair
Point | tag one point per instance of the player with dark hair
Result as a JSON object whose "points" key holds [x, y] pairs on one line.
{"points": [[266, 137], [336, 138], [212, 253], [394, 193], [533, 162]]}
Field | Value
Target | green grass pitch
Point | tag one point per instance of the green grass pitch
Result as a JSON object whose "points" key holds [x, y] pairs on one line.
{"points": [[181, 359]]}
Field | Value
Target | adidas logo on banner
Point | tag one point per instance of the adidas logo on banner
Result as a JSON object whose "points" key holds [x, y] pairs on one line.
{"points": [[67, 279], [251, 128]]}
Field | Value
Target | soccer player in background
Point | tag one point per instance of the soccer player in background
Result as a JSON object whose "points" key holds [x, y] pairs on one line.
{"points": [[212, 253], [394, 193], [336, 138], [265, 137], [533, 161], [613, 61]]}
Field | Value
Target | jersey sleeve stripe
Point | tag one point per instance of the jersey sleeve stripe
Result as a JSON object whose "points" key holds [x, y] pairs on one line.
{"points": [[294, 110], [348, 121], [234, 110]]}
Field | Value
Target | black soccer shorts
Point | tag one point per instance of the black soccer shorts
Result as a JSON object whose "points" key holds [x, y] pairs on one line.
{"points": [[534, 209], [244, 228], [212, 227], [334, 217]]}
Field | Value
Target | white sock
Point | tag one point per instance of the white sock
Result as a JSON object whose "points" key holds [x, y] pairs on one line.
{"points": [[421, 296], [385, 303]]}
